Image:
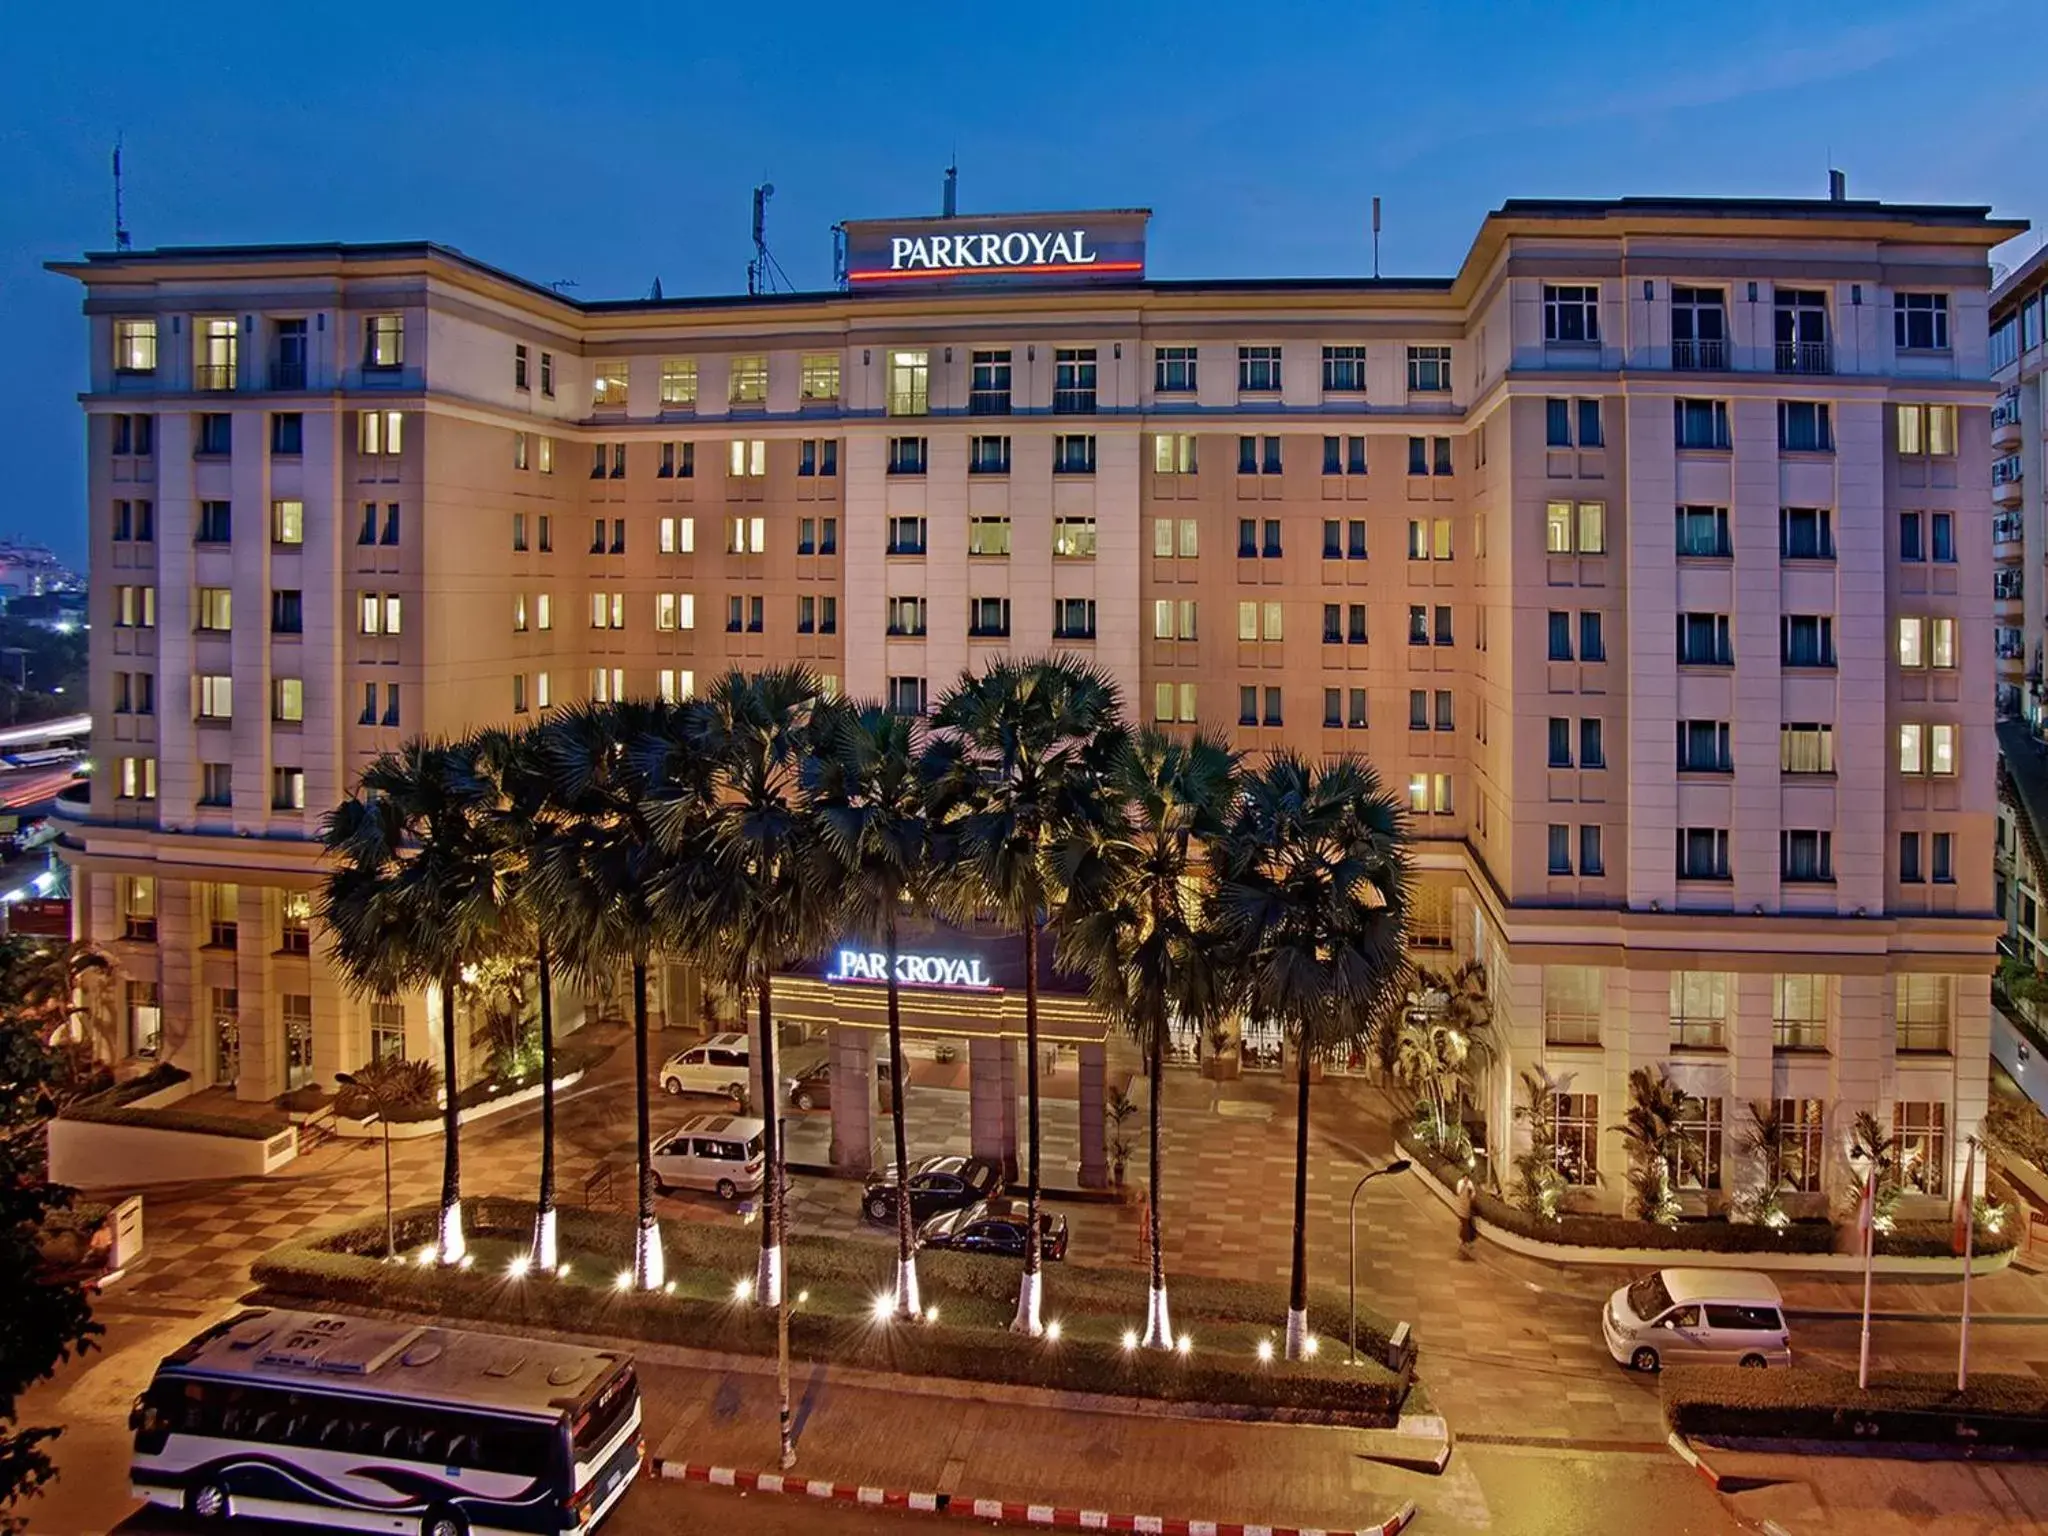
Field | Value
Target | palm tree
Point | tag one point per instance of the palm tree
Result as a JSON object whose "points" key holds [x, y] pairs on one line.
{"points": [[521, 821], [1313, 880], [751, 887], [1442, 1041], [1659, 1147], [866, 784], [1138, 923], [595, 879], [415, 894], [1025, 743]]}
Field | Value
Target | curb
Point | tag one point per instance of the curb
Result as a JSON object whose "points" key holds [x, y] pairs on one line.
{"points": [[1000, 1510], [1720, 1482]]}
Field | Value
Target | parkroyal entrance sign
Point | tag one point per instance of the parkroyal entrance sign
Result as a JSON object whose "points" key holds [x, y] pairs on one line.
{"points": [[871, 965], [1003, 250]]}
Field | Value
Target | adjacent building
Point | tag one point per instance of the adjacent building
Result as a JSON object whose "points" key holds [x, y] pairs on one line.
{"points": [[1646, 555]]}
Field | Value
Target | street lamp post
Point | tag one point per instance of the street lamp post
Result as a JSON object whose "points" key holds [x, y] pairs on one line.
{"points": [[348, 1080], [1398, 1165], [782, 1306]]}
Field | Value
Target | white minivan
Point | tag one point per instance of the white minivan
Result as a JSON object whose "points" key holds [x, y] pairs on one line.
{"points": [[721, 1153], [1697, 1317]]}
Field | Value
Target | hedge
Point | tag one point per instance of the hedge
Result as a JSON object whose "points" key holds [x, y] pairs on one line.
{"points": [[114, 1107], [971, 1341], [159, 1077], [1713, 1234], [1821, 1403]]}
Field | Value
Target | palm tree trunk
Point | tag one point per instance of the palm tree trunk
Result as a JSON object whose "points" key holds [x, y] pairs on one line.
{"points": [[648, 1266], [1158, 1325], [1297, 1283], [451, 1247], [907, 1300], [1029, 1290], [768, 1278], [544, 1251]]}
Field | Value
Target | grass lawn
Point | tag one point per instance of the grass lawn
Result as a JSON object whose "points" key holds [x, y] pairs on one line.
{"points": [[834, 1286]]}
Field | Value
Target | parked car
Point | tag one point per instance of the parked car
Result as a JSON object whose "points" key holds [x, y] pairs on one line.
{"points": [[994, 1226], [812, 1089], [936, 1184], [721, 1153], [718, 1065], [1697, 1317]]}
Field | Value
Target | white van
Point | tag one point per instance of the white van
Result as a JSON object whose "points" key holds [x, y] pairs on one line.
{"points": [[1697, 1317], [718, 1066], [721, 1153]]}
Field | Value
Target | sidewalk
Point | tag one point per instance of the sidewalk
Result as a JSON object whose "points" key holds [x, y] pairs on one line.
{"points": [[1883, 1496], [1169, 1467]]}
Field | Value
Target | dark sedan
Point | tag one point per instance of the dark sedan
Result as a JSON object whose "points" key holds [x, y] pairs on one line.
{"points": [[936, 1184], [995, 1226]]}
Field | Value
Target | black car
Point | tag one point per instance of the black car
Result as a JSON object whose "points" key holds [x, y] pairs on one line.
{"points": [[936, 1184], [995, 1226]]}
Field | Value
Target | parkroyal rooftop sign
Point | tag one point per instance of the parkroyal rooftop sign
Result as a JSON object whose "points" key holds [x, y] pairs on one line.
{"points": [[999, 250], [912, 970]]}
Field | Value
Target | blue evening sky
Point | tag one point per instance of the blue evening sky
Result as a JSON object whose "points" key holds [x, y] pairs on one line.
{"points": [[614, 142]]}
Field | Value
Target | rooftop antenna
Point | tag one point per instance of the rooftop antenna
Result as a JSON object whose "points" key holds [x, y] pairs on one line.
{"points": [[1838, 187], [562, 285], [764, 271], [121, 240], [952, 203], [839, 257], [1375, 238], [654, 293]]}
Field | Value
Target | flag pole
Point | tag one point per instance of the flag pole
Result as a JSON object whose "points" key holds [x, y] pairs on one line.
{"points": [[1969, 1220]]}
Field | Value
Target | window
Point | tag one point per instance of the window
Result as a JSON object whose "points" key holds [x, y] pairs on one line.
{"points": [[1560, 849], [1941, 527], [1429, 370], [1575, 1124], [679, 383], [1806, 533], [1073, 538], [1804, 426], [1592, 860], [1073, 618], [1699, 1133], [384, 341], [380, 432], [288, 793], [287, 700], [543, 611], [1563, 524], [1173, 370], [1806, 748], [1701, 424], [135, 346], [1344, 370], [608, 381], [1174, 702], [1927, 749], [906, 616], [1173, 453], [1807, 640], [910, 385], [216, 609], [1703, 640], [288, 522], [1944, 858], [547, 374], [988, 455], [1703, 747], [1560, 742], [1806, 856], [1573, 997], [1273, 716], [216, 523], [287, 611], [287, 434], [987, 617], [1344, 455], [135, 607], [1568, 422], [1073, 453], [988, 536], [1911, 548], [818, 377], [136, 779], [1429, 792], [1921, 1011], [1800, 325], [1909, 859], [1258, 620], [747, 380], [906, 455], [519, 367], [1173, 620], [608, 684], [1258, 370], [1429, 455], [1560, 634], [1926, 430], [1571, 313], [134, 434], [216, 433], [676, 686], [1920, 322], [1920, 1127], [378, 614], [1699, 328], [1805, 1142], [1703, 853], [1073, 381], [907, 695], [216, 692], [1800, 1005], [906, 536], [1703, 533], [1333, 707], [1592, 743], [1699, 1010], [217, 347], [1258, 455]]}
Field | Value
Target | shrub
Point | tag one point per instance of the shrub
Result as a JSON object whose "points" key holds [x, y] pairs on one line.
{"points": [[970, 1342], [1821, 1403], [159, 1077], [191, 1121], [1936, 1239]]}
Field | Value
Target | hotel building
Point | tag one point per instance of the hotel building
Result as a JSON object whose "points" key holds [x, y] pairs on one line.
{"points": [[1646, 556]]}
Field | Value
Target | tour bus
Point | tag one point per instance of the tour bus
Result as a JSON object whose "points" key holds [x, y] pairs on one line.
{"points": [[387, 1426]]}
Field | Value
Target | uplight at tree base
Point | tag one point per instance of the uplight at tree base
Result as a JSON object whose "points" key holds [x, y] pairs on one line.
{"points": [[453, 1247], [768, 1276]]}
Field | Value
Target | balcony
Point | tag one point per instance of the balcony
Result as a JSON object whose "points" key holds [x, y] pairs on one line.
{"points": [[213, 377], [1699, 356], [288, 373], [2009, 584], [2010, 645], [2006, 478], [1805, 357], [2005, 421], [2007, 528]]}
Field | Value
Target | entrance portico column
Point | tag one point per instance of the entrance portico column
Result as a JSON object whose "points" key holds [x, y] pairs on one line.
{"points": [[992, 1101], [853, 1099], [1094, 1128]]}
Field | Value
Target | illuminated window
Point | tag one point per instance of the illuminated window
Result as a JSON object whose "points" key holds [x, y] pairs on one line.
{"points": [[749, 458], [384, 341], [820, 376], [217, 349], [1073, 538], [380, 432], [748, 380], [216, 697], [679, 381], [608, 385], [288, 522], [910, 385], [1801, 1004], [135, 346], [544, 450], [288, 699], [1173, 453], [216, 609]]}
